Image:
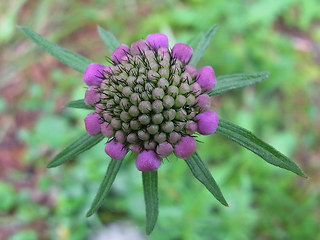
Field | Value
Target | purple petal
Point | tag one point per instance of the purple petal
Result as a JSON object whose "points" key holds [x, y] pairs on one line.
{"points": [[203, 101], [186, 147], [207, 122], [120, 53], [206, 78], [115, 150], [164, 149], [191, 70], [93, 74], [148, 160], [92, 95], [107, 130], [157, 40], [182, 51], [139, 46], [92, 123]]}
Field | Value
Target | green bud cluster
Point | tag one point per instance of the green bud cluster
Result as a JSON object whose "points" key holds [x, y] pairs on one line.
{"points": [[149, 99]]}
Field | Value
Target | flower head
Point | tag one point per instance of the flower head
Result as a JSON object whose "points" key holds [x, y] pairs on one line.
{"points": [[150, 101]]}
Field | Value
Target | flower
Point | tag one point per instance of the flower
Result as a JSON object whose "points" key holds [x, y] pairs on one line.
{"points": [[150, 101]]}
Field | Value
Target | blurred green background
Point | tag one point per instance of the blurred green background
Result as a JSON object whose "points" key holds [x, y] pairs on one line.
{"points": [[265, 202]]}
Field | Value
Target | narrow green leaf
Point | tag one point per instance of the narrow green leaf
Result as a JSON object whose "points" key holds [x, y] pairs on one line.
{"points": [[201, 172], [203, 45], [257, 146], [229, 82], [69, 58], [105, 186], [79, 104], [150, 188], [82, 144], [108, 39]]}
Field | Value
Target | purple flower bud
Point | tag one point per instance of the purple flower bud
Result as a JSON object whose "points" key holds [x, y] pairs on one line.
{"points": [[92, 123], [92, 95], [139, 46], [120, 136], [107, 130], [99, 108], [203, 102], [164, 149], [157, 93], [108, 70], [157, 40], [207, 122], [173, 91], [93, 74], [206, 78], [191, 70], [115, 150], [186, 147], [148, 161], [168, 102], [107, 116], [196, 88], [135, 148], [132, 138], [191, 127], [119, 53], [115, 123], [174, 137], [182, 51]]}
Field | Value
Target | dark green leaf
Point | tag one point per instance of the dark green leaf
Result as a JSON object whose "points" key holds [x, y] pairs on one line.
{"points": [[150, 188], [201, 172], [82, 144], [105, 186], [203, 45], [257, 146], [108, 39], [229, 82], [79, 104], [69, 58]]}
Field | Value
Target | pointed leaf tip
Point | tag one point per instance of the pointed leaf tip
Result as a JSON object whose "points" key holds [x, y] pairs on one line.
{"points": [[80, 145], [203, 45], [67, 57], [108, 39], [246, 139], [105, 186], [201, 172]]}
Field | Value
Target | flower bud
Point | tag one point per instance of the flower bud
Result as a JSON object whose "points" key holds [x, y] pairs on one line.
{"points": [[120, 136], [168, 101], [157, 106], [93, 74], [157, 40], [157, 93], [160, 137], [174, 137], [167, 127], [134, 111], [153, 129], [207, 122], [144, 136], [186, 147], [92, 123], [180, 101], [92, 96], [164, 149], [144, 119], [203, 102], [120, 52], [148, 160], [157, 118], [206, 78], [115, 150], [132, 138], [145, 107], [115, 123], [106, 130]]}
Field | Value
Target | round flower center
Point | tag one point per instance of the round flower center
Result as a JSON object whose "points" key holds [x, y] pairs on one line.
{"points": [[148, 98]]}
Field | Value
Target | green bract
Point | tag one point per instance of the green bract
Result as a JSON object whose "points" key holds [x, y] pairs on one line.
{"points": [[196, 165]]}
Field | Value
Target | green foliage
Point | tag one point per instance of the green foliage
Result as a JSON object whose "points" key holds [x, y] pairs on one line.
{"points": [[150, 189], [80, 145], [105, 186], [201, 172], [79, 104], [108, 39], [69, 58]]}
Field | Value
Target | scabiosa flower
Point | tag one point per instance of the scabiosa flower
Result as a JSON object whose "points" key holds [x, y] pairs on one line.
{"points": [[150, 101]]}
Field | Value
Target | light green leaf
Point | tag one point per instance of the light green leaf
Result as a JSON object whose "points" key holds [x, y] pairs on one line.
{"points": [[82, 144], [108, 39], [79, 104], [105, 186], [257, 146], [67, 57], [229, 82], [150, 188], [203, 45], [201, 172]]}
